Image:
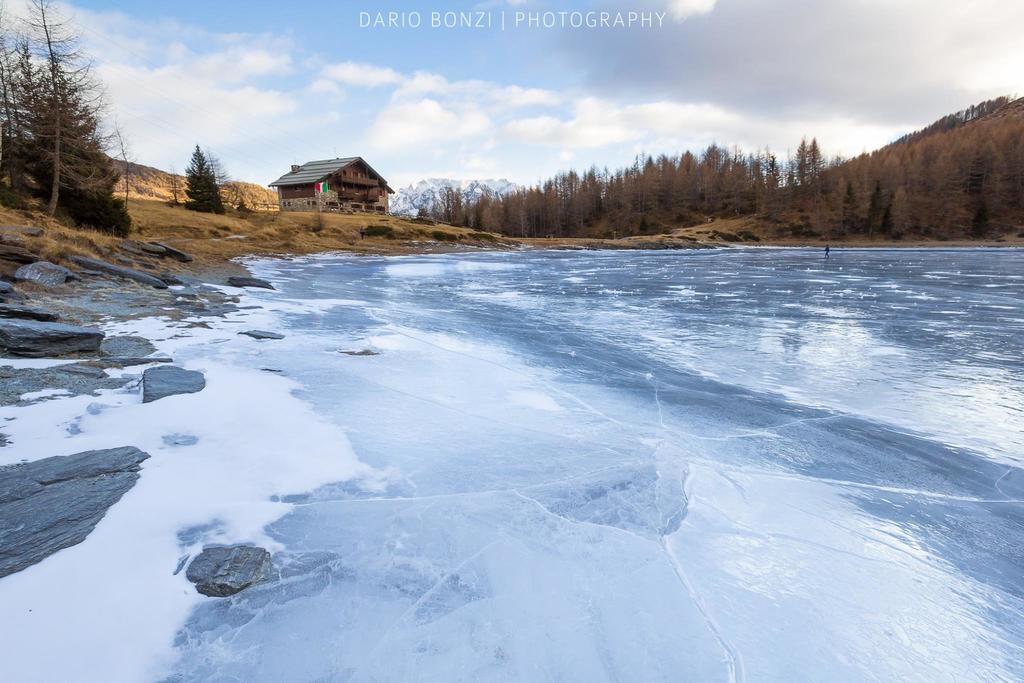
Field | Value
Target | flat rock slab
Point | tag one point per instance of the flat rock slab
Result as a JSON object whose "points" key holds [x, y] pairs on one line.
{"points": [[44, 273], [26, 313], [119, 271], [54, 503], [225, 570], [170, 380], [36, 339], [123, 345], [173, 253], [12, 252], [262, 334], [73, 379], [244, 281]]}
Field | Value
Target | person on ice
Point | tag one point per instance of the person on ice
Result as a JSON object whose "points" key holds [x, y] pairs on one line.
{"points": [[826, 251]]}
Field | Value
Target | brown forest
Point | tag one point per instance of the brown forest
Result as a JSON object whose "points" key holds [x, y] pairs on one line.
{"points": [[962, 176]]}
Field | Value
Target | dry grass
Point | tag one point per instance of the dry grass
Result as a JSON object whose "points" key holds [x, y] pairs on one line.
{"points": [[216, 238], [213, 240]]}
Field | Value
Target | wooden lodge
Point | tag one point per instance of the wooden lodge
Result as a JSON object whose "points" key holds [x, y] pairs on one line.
{"points": [[351, 185]]}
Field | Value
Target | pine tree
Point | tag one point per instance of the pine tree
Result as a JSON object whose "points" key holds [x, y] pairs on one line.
{"points": [[876, 209], [201, 185], [850, 218]]}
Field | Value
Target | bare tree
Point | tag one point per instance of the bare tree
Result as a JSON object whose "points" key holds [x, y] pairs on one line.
{"points": [[123, 154], [67, 104], [175, 182]]}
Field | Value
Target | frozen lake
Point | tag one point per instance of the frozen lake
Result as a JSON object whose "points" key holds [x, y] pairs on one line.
{"points": [[747, 464]]}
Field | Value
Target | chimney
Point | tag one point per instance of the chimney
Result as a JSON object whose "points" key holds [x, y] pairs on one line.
{"points": [[295, 168]]}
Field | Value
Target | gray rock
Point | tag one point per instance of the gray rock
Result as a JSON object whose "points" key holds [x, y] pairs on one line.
{"points": [[244, 281], [153, 248], [170, 380], [262, 334], [12, 252], [6, 288], [124, 345], [76, 379], [26, 313], [44, 273], [119, 271], [363, 352], [42, 339], [225, 570], [29, 230], [54, 503], [173, 253]]}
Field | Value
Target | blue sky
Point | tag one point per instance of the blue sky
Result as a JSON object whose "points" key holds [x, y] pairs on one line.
{"points": [[265, 84]]}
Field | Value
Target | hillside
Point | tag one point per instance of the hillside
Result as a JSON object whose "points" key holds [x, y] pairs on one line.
{"points": [[147, 182], [960, 178]]}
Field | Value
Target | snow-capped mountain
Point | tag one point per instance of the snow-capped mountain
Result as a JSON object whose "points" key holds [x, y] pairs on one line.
{"points": [[424, 194]]}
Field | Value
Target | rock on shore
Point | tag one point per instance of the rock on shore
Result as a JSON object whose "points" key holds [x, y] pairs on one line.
{"points": [[42, 339], [262, 334], [170, 380], [119, 271], [245, 281], [54, 503], [225, 570], [44, 273]]}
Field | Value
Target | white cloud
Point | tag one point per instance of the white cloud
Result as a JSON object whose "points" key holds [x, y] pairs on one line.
{"points": [[682, 9], [425, 122], [599, 123], [360, 74]]}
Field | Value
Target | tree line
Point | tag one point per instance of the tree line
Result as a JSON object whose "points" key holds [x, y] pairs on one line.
{"points": [[51, 105], [962, 175]]}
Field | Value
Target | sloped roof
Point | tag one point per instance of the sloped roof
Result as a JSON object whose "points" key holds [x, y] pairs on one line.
{"points": [[312, 171]]}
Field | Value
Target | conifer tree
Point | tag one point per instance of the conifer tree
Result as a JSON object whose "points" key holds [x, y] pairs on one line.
{"points": [[201, 186]]}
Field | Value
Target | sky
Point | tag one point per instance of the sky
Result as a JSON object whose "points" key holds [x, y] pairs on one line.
{"points": [[267, 84]]}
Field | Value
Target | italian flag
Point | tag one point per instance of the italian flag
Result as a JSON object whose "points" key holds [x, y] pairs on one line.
{"points": [[320, 187]]}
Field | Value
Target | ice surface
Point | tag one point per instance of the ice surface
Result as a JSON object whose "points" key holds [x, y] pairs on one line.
{"points": [[739, 465], [747, 464]]}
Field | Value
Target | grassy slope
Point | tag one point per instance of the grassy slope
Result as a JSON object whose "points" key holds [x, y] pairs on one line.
{"points": [[214, 239]]}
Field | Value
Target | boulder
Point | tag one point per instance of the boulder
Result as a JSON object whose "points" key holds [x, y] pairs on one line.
{"points": [[262, 334], [245, 281], [119, 271], [170, 380], [42, 339], [12, 252], [153, 248], [54, 503], [44, 273], [26, 313], [173, 253], [221, 571]]}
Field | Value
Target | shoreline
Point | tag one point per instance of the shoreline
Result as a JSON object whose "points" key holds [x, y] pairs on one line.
{"points": [[221, 463]]}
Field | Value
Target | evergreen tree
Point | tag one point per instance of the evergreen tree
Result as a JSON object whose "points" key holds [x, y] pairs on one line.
{"points": [[850, 218], [979, 224], [201, 185], [876, 209]]}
